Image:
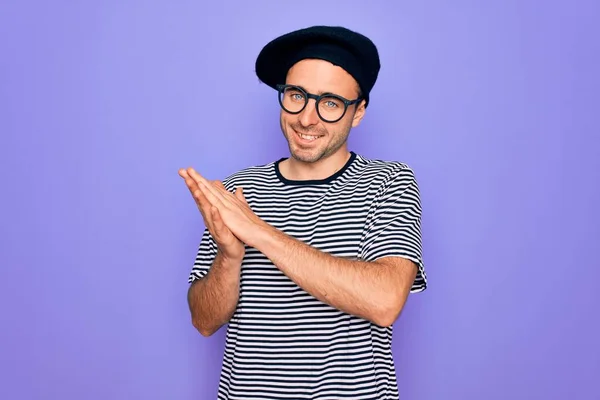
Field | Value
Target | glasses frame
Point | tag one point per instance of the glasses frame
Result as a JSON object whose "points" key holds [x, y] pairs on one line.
{"points": [[317, 99]]}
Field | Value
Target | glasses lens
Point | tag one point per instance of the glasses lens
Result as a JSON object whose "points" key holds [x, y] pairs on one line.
{"points": [[331, 108], [293, 99]]}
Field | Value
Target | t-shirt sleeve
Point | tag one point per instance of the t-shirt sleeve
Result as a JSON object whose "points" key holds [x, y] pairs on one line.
{"points": [[394, 226], [207, 251]]}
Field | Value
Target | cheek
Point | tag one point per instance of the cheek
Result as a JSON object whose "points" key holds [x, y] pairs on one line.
{"points": [[286, 119]]}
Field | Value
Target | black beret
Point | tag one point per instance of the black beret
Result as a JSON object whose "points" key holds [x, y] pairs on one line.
{"points": [[347, 49]]}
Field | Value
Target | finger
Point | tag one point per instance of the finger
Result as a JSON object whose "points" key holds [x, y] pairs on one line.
{"points": [[207, 187], [227, 195], [205, 210], [239, 193], [197, 177], [201, 200], [192, 186], [210, 197], [197, 194], [182, 173], [211, 192], [217, 190], [189, 181], [203, 203]]}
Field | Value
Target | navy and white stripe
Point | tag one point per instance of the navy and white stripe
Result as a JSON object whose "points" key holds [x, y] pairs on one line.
{"points": [[282, 343]]}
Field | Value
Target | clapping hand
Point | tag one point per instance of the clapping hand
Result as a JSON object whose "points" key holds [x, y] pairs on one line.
{"points": [[228, 213], [228, 244]]}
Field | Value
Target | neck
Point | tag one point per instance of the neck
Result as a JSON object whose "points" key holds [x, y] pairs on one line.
{"points": [[297, 170]]}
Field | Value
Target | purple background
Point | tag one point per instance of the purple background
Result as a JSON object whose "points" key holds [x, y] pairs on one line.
{"points": [[494, 104]]}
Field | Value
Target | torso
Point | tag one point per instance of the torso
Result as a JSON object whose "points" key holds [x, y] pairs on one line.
{"points": [[281, 341]]}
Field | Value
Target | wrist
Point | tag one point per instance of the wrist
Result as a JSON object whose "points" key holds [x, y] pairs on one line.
{"points": [[229, 260], [263, 238]]}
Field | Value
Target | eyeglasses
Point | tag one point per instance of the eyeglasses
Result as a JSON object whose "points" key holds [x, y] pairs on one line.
{"points": [[330, 107]]}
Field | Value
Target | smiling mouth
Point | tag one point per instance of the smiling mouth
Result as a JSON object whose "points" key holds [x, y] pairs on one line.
{"points": [[310, 138]]}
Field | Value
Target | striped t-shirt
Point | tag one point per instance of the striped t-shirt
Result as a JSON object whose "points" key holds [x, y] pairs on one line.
{"points": [[281, 342]]}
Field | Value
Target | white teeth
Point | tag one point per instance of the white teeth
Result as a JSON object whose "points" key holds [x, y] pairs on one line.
{"points": [[307, 137]]}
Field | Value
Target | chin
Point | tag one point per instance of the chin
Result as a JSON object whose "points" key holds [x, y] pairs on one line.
{"points": [[306, 155]]}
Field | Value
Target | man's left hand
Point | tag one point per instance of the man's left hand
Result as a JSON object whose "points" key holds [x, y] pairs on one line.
{"points": [[233, 208]]}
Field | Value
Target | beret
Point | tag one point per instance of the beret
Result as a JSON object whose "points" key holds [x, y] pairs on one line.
{"points": [[350, 50]]}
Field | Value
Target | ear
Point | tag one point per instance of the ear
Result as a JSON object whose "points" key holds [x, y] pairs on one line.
{"points": [[359, 114]]}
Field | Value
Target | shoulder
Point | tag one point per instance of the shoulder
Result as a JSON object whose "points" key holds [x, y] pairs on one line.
{"points": [[387, 172], [395, 185]]}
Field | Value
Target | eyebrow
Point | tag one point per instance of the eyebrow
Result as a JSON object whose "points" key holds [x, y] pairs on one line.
{"points": [[319, 93]]}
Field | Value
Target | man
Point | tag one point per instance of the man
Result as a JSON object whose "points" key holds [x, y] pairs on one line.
{"points": [[309, 259]]}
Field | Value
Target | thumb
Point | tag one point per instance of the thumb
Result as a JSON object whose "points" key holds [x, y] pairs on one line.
{"points": [[239, 193]]}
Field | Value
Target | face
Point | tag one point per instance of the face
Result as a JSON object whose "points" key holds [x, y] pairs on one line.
{"points": [[309, 138]]}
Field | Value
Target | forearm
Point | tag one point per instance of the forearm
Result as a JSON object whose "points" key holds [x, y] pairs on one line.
{"points": [[373, 291], [213, 299]]}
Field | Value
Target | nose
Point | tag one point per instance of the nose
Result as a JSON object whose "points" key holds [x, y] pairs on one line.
{"points": [[309, 115]]}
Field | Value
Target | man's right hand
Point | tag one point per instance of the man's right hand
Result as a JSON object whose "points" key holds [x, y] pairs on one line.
{"points": [[230, 247]]}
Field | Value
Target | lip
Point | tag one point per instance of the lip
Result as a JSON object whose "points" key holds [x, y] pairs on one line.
{"points": [[301, 140]]}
